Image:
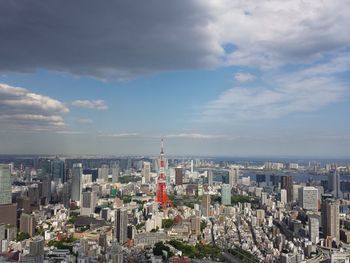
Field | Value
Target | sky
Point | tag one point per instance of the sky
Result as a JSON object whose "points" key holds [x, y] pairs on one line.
{"points": [[213, 78]]}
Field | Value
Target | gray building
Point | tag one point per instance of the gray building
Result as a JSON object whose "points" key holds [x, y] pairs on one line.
{"points": [[121, 225], [226, 194], [77, 173], [5, 185]]}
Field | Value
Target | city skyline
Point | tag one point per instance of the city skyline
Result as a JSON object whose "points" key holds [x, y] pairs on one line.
{"points": [[211, 78]]}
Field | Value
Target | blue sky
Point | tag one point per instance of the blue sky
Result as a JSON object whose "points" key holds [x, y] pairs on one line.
{"points": [[213, 78]]}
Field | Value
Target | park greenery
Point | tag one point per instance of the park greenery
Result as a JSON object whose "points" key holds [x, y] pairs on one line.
{"points": [[198, 251], [22, 236], [167, 223]]}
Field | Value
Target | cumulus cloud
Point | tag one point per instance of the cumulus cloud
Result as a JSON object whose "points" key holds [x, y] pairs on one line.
{"points": [[90, 104], [244, 77], [121, 39], [22, 109]]}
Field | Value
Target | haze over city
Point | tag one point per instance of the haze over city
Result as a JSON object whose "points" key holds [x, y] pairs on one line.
{"points": [[213, 78]]}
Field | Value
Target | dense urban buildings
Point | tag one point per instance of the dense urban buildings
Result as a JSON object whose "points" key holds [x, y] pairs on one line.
{"points": [[266, 212]]}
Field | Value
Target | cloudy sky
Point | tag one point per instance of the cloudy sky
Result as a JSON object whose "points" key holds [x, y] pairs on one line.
{"points": [[228, 78]]}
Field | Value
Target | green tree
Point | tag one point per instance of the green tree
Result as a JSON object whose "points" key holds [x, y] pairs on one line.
{"points": [[167, 223]]}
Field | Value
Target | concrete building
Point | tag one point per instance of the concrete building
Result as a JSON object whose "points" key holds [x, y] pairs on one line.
{"points": [[5, 185], [115, 172], [77, 173], [283, 196], [330, 219], [179, 174], [226, 194], [287, 183], [308, 198], [314, 225], [88, 203], [206, 205], [146, 172], [210, 177], [121, 225], [27, 224], [233, 175]]}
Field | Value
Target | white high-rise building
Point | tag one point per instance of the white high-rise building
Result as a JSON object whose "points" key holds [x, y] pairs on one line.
{"points": [[210, 177], [233, 175], [103, 173], [226, 194], [314, 225], [284, 196], [77, 173], [308, 197], [146, 172], [115, 172], [5, 185]]}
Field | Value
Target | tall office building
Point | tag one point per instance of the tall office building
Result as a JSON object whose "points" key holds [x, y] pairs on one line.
{"points": [[330, 219], [314, 225], [206, 205], [308, 197], [179, 176], [115, 172], [27, 224], [57, 170], [146, 172], [334, 184], [103, 173], [233, 175], [5, 185], [210, 177], [77, 173], [121, 225], [283, 198], [36, 248], [226, 194], [287, 183], [88, 203]]}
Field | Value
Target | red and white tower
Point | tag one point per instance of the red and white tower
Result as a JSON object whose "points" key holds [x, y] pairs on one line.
{"points": [[162, 197]]}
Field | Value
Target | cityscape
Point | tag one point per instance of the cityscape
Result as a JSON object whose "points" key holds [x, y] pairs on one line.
{"points": [[180, 131]]}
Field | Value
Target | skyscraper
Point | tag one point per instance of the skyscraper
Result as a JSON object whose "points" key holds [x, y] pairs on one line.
{"points": [[121, 225], [233, 175], [210, 177], [88, 203], [308, 197], [314, 225], [226, 194], [206, 205], [287, 183], [27, 224], [57, 170], [330, 219], [146, 172], [5, 185], [115, 172], [283, 198], [77, 173], [103, 173], [334, 184], [178, 176]]}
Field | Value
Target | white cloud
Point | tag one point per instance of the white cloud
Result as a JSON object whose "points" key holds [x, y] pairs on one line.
{"points": [[244, 77], [22, 109], [284, 95], [90, 104]]}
